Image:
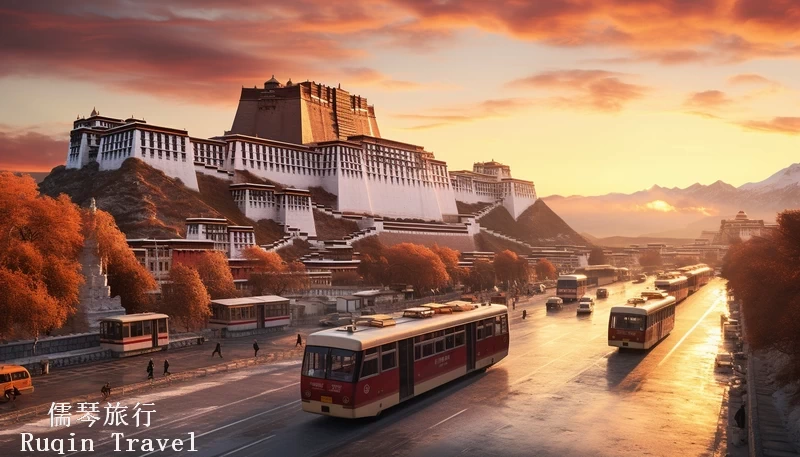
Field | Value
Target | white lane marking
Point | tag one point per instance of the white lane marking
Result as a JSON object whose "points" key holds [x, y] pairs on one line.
{"points": [[200, 412], [711, 308], [445, 420], [247, 446], [234, 423]]}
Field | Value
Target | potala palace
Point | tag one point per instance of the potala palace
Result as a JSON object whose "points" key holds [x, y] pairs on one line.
{"points": [[301, 136]]}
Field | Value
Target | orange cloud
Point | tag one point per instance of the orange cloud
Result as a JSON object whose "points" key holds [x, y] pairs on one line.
{"points": [[28, 150], [441, 117], [785, 125], [598, 90], [370, 76], [749, 78], [709, 99]]}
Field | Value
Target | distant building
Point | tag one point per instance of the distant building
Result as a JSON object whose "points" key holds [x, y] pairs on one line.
{"points": [[741, 228]]}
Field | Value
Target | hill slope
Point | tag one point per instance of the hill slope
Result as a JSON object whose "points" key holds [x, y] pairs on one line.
{"points": [[538, 225], [147, 203]]}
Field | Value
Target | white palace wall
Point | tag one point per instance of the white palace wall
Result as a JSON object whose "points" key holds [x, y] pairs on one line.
{"points": [[170, 160], [368, 175]]}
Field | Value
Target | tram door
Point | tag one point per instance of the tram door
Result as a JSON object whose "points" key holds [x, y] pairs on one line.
{"points": [[154, 330], [260, 317], [406, 354], [470, 346]]}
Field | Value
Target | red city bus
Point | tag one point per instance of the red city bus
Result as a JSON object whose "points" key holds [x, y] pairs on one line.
{"points": [[674, 284], [571, 287], [358, 371], [642, 323]]}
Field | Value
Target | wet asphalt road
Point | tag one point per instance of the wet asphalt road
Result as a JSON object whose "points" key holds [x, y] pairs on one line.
{"points": [[562, 391]]}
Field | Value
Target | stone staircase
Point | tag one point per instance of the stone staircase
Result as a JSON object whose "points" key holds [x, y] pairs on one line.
{"points": [[479, 214]]}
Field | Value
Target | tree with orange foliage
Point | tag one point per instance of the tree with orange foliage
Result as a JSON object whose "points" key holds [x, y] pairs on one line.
{"points": [[686, 260], [511, 268], [127, 277], [40, 243], [375, 270], [650, 259], [481, 276], [449, 258], [545, 270], [216, 275], [185, 298], [272, 275], [416, 265], [764, 273]]}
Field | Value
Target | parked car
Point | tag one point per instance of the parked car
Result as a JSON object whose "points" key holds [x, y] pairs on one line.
{"points": [[602, 293], [586, 305], [335, 320], [554, 303]]}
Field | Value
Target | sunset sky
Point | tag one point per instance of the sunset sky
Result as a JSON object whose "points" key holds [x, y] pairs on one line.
{"points": [[581, 96]]}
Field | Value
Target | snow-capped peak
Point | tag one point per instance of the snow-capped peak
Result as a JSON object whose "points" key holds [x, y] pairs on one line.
{"points": [[787, 177]]}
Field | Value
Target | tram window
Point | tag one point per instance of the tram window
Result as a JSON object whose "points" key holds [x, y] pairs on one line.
{"points": [[427, 349], [440, 345], [162, 326], [488, 329], [504, 323], [315, 362], [459, 339], [460, 328], [126, 331], [388, 347], [6, 377], [147, 327], [388, 360], [480, 332], [438, 334], [450, 341], [369, 367], [497, 329], [371, 351], [417, 352], [449, 331], [342, 365]]}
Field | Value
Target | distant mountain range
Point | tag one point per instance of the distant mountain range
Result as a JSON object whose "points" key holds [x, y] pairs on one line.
{"points": [[678, 213]]}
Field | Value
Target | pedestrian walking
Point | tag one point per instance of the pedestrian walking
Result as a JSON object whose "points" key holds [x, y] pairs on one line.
{"points": [[255, 348], [514, 305], [106, 390], [524, 313], [299, 341], [740, 417], [150, 369], [217, 350], [166, 367]]}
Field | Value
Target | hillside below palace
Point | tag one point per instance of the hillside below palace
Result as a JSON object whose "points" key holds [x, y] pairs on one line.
{"points": [[303, 135]]}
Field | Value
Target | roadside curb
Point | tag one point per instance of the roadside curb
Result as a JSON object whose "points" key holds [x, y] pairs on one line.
{"points": [[16, 416]]}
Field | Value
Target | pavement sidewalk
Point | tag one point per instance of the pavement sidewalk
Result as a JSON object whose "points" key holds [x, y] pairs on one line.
{"points": [[83, 382], [769, 429]]}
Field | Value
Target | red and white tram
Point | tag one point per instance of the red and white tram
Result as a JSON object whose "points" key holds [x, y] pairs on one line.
{"points": [[697, 276], [133, 334], [571, 287], [642, 323], [674, 284], [358, 371]]}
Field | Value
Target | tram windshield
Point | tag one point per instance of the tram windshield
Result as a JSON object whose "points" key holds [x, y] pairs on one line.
{"points": [[329, 363], [627, 322]]}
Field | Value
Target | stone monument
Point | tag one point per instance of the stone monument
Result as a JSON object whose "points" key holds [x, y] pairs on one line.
{"points": [[95, 294]]}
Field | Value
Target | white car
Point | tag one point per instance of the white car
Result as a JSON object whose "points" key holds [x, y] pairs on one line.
{"points": [[586, 305]]}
